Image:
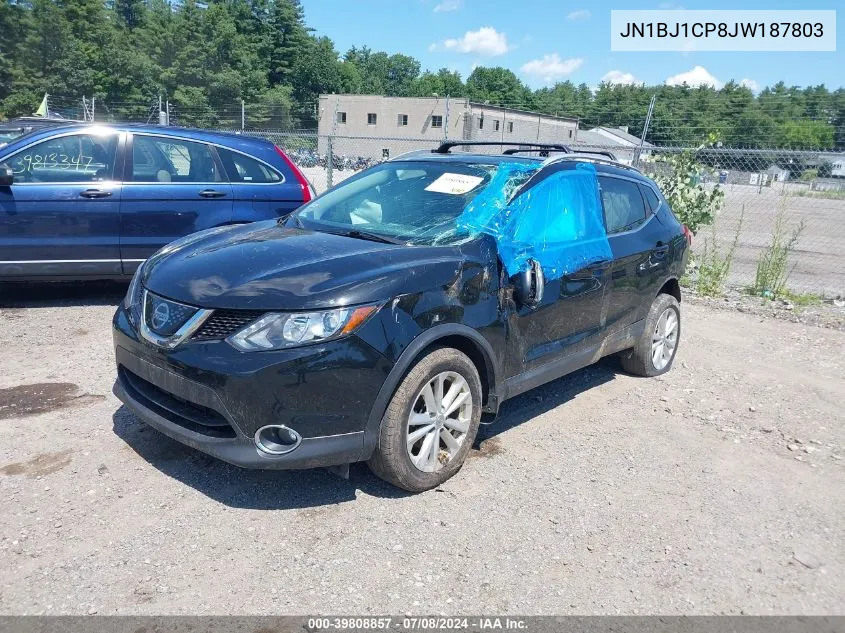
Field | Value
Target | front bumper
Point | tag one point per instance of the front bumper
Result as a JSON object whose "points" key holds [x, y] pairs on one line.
{"points": [[214, 398]]}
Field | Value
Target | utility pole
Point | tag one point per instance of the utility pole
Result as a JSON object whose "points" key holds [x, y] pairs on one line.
{"points": [[243, 115], [636, 161]]}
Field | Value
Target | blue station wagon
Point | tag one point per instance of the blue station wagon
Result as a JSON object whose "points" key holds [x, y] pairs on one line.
{"points": [[91, 201]]}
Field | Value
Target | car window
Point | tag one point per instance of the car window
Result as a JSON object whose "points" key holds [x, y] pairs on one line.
{"points": [[624, 208], [242, 168], [417, 202], [161, 159], [71, 158], [651, 198]]}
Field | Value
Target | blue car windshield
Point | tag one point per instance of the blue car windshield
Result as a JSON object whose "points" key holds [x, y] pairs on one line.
{"points": [[410, 202]]}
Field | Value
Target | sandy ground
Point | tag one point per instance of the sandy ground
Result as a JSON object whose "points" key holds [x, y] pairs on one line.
{"points": [[717, 488]]}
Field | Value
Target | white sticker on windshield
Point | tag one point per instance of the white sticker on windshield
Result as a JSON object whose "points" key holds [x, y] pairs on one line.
{"points": [[456, 184]]}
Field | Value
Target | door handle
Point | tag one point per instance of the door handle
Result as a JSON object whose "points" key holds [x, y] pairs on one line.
{"points": [[95, 193], [211, 193]]}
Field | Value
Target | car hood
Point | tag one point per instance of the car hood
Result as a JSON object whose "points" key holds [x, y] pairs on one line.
{"points": [[265, 266]]}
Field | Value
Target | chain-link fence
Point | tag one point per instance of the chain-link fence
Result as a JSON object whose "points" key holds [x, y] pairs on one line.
{"points": [[795, 200], [807, 189]]}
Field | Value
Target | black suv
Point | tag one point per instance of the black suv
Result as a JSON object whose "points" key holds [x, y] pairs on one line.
{"points": [[381, 320]]}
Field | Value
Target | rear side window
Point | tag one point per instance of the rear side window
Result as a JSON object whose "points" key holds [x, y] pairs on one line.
{"points": [[161, 159], [624, 208], [70, 158], [242, 168], [651, 198]]}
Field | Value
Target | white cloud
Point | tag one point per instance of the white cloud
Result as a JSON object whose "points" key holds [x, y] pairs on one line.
{"points": [[752, 85], [580, 14], [620, 78], [484, 41], [447, 5], [698, 76], [551, 67]]}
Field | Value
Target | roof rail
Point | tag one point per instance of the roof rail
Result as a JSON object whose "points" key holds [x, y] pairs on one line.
{"points": [[448, 145], [591, 157], [606, 153], [412, 152]]}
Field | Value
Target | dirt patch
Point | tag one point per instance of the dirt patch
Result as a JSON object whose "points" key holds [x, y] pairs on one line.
{"points": [[26, 400], [38, 466], [488, 448]]}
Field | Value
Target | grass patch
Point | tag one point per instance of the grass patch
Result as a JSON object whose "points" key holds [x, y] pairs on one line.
{"points": [[714, 263], [773, 268], [827, 195], [802, 299]]}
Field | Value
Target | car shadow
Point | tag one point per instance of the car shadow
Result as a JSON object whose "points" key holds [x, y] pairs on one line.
{"points": [[64, 293], [239, 487], [280, 490], [546, 397]]}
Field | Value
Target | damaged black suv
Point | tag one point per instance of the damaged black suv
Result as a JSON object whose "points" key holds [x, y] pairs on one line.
{"points": [[381, 320]]}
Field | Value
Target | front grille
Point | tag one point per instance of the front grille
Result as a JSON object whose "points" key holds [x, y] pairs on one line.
{"points": [[165, 317], [189, 415], [223, 323]]}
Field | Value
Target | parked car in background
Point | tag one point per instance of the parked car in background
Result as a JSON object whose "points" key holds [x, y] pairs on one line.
{"points": [[89, 201], [377, 324]]}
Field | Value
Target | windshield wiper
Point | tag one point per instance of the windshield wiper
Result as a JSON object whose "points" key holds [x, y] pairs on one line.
{"points": [[282, 221], [373, 237]]}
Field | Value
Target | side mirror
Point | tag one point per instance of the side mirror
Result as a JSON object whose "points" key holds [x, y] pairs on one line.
{"points": [[530, 285], [7, 176]]}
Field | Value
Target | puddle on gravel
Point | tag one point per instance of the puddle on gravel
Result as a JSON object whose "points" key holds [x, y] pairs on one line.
{"points": [[488, 448], [38, 466], [26, 400]]}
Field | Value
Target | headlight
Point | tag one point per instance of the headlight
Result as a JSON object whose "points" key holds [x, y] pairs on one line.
{"points": [[133, 294], [278, 330]]}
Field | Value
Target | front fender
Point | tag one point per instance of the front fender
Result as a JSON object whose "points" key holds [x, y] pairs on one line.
{"points": [[429, 337]]}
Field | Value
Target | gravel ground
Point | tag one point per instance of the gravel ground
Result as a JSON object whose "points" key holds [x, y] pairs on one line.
{"points": [[717, 488]]}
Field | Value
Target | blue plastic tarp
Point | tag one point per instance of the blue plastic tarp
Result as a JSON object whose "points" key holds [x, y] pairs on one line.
{"points": [[557, 222]]}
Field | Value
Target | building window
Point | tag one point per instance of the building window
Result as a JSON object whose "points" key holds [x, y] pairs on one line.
{"points": [[510, 126], [481, 122], [385, 153], [570, 133], [371, 118], [436, 120], [403, 120], [341, 117], [496, 124]]}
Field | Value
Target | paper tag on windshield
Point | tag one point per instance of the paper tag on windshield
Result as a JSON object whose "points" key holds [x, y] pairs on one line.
{"points": [[456, 184]]}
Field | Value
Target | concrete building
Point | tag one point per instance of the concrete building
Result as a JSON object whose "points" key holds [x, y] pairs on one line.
{"points": [[382, 127], [616, 140]]}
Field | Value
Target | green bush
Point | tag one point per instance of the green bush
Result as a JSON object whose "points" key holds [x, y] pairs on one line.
{"points": [[681, 181]]}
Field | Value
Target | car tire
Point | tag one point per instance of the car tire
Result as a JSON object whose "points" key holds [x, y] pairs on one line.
{"points": [[655, 352], [422, 465]]}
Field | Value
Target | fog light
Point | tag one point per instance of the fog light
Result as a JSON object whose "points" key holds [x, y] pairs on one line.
{"points": [[276, 439]]}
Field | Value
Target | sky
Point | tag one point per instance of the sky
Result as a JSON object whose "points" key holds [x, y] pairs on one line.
{"points": [[546, 41]]}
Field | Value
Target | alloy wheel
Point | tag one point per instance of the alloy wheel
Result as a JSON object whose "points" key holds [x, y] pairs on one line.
{"points": [[664, 339], [439, 421]]}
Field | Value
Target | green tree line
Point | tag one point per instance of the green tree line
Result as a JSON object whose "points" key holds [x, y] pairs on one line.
{"points": [[206, 58]]}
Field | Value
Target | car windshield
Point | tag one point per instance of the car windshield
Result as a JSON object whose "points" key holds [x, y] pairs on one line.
{"points": [[407, 202], [8, 134]]}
